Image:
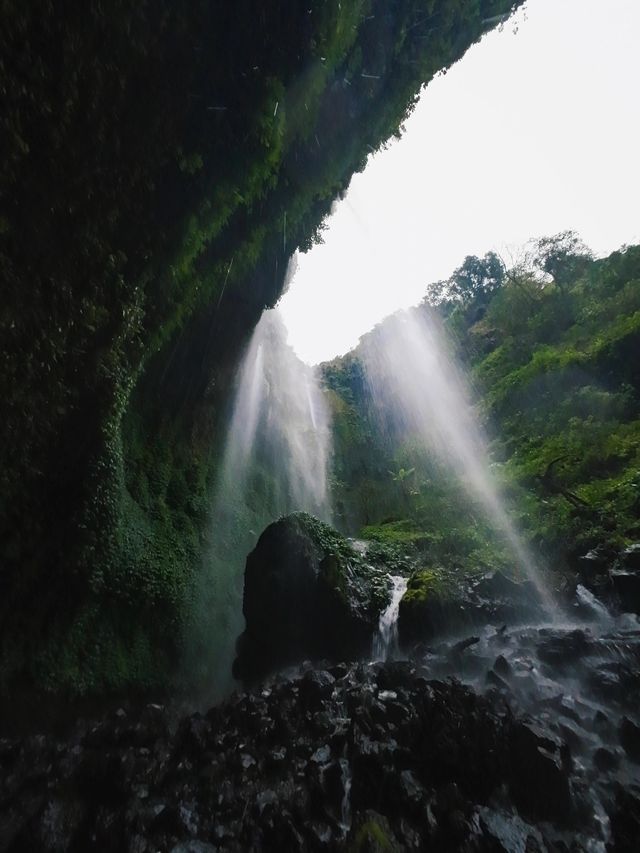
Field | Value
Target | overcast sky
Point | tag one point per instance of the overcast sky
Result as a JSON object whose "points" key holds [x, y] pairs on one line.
{"points": [[534, 131]]}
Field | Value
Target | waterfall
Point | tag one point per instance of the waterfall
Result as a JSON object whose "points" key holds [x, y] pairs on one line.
{"points": [[385, 643], [415, 381], [276, 460], [280, 426]]}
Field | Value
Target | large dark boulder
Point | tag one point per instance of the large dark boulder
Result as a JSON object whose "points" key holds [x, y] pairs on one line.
{"points": [[307, 594]]}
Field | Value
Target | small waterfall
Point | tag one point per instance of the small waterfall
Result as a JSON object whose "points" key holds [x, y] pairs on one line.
{"points": [[345, 810], [588, 600], [385, 643], [276, 460], [414, 381]]}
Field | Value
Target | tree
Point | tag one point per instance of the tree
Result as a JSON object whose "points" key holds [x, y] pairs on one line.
{"points": [[477, 277], [564, 257]]}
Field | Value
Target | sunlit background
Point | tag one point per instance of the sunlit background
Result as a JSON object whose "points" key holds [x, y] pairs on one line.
{"points": [[536, 130]]}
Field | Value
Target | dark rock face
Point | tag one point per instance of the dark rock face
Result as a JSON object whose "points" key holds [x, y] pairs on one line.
{"points": [[563, 649], [595, 561], [624, 579], [539, 773], [614, 576], [625, 820], [626, 585], [307, 594], [630, 738], [438, 602]]}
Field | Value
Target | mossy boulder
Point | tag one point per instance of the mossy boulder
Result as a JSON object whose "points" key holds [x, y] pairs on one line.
{"points": [[442, 601], [433, 601], [374, 835], [307, 594]]}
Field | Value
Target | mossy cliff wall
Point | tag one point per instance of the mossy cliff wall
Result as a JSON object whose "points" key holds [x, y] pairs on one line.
{"points": [[160, 164]]}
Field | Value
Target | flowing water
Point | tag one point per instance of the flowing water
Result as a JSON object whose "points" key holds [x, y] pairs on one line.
{"points": [[412, 376], [276, 460], [280, 427], [385, 643], [278, 448]]}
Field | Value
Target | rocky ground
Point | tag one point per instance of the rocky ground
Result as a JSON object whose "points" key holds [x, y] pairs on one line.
{"points": [[361, 757], [516, 738]]}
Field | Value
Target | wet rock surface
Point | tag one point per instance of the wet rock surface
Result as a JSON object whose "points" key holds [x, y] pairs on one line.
{"points": [[439, 601], [515, 738], [614, 576], [307, 594], [345, 758], [528, 755]]}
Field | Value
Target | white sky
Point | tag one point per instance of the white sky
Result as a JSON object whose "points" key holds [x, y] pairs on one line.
{"points": [[531, 133]]}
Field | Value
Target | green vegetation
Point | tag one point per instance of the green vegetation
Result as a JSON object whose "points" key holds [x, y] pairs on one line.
{"points": [[353, 576], [434, 601], [427, 584], [160, 165], [566, 407], [551, 344]]}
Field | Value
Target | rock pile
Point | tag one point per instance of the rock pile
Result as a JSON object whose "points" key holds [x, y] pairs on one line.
{"points": [[366, 757]]}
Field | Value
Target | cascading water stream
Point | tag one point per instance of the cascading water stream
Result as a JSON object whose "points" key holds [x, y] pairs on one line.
{"points": [[276, 460], [414, 380], [385, 643]]}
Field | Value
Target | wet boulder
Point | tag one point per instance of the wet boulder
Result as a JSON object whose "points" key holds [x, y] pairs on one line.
{"points": [[626, 585], [373, 834], [562, 648], [539, 773], [436, 601], [616, 682], [307, 594], [497, 585], [55, 828], [440, 601], [595, 562], [624, 579]]}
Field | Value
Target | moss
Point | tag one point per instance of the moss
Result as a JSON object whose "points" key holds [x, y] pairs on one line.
{"points": [[428, 585], [402, 532], [360, 580], [374, 835]]}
